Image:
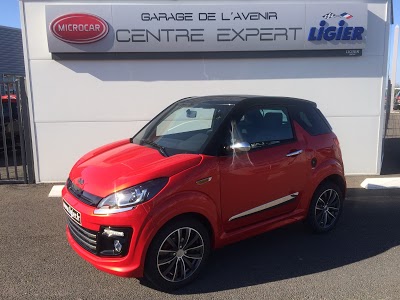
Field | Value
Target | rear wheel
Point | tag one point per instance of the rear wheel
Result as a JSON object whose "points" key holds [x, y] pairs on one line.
{"points": [[177, 254], [325, 207]]}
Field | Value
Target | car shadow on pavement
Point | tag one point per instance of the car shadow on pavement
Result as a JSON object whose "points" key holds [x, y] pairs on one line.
{"points": [[368, 227]]}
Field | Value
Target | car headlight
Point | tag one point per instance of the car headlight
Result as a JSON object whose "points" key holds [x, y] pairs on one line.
{"points": [[127, 199]]}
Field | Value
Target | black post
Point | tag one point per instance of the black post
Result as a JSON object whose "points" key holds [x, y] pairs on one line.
{"points": [[21, 131], [27, 132], [389, 104]]}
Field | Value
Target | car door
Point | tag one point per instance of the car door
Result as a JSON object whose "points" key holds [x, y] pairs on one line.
{"points": [[266, 181]]}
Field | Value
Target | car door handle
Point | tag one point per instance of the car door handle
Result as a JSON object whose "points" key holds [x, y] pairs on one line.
{"points": [[294, 153]]}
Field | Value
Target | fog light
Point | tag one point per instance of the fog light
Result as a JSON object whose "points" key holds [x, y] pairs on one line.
{"points": [[117, 246], [109, 232], [114, 241]]}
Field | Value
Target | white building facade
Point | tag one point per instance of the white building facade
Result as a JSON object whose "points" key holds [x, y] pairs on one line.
{"points": [[97, 71]]}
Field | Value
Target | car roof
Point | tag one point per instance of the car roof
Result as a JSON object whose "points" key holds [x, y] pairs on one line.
{"points": [[246, 100]]}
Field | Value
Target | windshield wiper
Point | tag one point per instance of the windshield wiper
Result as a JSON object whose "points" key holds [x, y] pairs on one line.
{"points": [[155, 145]]}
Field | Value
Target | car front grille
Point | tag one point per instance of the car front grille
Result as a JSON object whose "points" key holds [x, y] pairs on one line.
{"points": [[82, 195], [86, 238]]}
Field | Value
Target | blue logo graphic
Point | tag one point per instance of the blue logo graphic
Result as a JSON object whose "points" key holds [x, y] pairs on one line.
{"points": [[338, 33]]}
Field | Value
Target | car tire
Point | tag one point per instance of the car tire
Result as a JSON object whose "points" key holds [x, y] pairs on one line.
{"points": [[177, 254], [325, 207]]}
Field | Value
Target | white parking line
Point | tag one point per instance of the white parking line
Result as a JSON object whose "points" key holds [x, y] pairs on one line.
{"points": [[381, 183], [56, 191]]}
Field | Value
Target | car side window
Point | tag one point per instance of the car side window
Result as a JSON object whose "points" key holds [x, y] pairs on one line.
{"points": [[312, 120], [264, 126]]}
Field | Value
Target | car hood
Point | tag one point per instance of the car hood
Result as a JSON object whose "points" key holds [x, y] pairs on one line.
{"points": [[122, 164]]}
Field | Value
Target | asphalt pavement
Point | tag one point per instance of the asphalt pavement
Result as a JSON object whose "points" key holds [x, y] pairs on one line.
{"points": [[360, 259]]}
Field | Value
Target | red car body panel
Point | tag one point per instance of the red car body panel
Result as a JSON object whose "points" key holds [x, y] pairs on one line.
{"points": [[235, 183], [187, 197], [260, 177], [125, 165]]}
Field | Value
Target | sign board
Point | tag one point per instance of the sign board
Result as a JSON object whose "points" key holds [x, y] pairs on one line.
{"points": [[179, 27]]}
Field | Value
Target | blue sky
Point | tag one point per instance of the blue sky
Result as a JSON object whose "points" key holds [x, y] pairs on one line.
{"points": [[10, 13], [10, 17]]}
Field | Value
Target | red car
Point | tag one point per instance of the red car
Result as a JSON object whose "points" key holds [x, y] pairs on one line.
{"points": [[10, 118], [206, 172], [397, 100]]}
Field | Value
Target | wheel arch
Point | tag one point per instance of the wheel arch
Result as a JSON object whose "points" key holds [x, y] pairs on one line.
{"points": [[336, 179], [199, 208], [311, 219], [329, 170], [195, 216], [151, 268]]}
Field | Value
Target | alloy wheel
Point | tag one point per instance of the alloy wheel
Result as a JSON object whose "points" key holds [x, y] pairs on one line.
{"points": [[180, 254], [327, 208]]}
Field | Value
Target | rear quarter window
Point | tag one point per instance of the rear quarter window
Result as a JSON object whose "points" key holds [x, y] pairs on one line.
{"points": [[312, 120]]}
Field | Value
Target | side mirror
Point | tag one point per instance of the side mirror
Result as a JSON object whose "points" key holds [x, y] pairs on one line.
{"points": [[192, 114], [241, 146]]}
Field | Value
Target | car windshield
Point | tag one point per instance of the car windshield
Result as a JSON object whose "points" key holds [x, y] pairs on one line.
{"points": [[186, 127]]}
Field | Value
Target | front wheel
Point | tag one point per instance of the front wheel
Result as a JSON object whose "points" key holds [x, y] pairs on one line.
{"points": [[325, 207], [177, 254]]}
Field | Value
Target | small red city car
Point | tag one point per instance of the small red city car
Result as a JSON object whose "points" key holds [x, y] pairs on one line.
{"points": [[204, 173]]}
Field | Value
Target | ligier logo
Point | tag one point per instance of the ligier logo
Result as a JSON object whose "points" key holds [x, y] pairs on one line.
{"points": [[342, 32], [79, 28], [330, 15]]}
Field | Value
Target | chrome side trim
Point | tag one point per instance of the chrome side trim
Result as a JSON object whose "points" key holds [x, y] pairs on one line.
{"points": [[204, 180], [265, 206]]}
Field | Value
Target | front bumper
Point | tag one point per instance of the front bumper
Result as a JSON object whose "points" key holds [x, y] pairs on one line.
{"points": [[129, 264]]}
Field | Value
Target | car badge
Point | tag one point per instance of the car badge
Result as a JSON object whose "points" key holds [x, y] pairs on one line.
{"points": [[77, 187]]}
